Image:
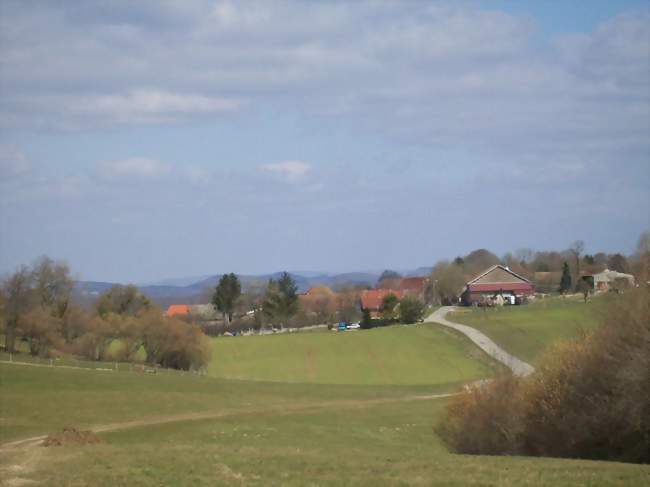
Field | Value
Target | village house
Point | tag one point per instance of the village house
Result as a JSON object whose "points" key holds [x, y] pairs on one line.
{"points": [[413, 286], [372, 299], [201, 311], [498, 280], [177, 310]]}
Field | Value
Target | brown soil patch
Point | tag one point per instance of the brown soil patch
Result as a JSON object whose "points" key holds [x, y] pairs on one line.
{"points": [[71, 436]]}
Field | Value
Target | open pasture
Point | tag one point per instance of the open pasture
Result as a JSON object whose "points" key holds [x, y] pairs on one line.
{"points": [[414, 354], [527, 331], [190, 431]]}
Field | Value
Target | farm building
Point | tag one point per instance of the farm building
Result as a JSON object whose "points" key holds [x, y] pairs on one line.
{"points": [[371, 299], [497, 280], [606, 280], [413, 285]]}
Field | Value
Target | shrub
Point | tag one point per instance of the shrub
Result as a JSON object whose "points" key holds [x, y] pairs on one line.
{"points": [[486, 419], [590, 398], [411, 309]]}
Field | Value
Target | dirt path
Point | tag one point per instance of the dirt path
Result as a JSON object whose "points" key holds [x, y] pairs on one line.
{"points": [[517, 366], [267, 411]]}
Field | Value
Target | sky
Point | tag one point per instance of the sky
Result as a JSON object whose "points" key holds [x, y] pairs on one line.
{"points": [[155, 139]]}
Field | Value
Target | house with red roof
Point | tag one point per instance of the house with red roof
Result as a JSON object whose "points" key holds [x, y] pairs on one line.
{"points": [[372, 299], [497, 280], [413, 285], [177, 310]]}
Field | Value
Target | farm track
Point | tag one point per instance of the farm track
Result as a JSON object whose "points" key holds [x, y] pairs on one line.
{"points": [[268, 411], [517, 366]]}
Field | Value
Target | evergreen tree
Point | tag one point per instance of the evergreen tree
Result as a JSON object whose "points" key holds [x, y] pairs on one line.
{"points": [[226, 295], [280, 300], [565, 281]]}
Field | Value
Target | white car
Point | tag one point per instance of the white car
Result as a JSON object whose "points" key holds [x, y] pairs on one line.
{"points": [[353, 326]]}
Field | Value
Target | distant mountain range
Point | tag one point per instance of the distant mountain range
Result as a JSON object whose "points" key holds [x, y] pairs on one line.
{"points": [[195, 289]]}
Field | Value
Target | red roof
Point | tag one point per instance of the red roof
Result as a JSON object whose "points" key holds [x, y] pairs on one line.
{"points": [[505, 286], [178, 309], [413, 284], [372, 299]]}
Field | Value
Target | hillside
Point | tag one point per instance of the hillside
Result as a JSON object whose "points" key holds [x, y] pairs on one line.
{"points": [[422, 354], [527, 331]]}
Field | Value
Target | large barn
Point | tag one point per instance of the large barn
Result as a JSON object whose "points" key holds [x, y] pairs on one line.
{"points": [[497, 280]]}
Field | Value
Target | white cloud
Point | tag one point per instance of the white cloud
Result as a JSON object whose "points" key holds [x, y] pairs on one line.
{"points": [[154, 106], [13, 163], [439, 74], [290, 171], [134, 168]]}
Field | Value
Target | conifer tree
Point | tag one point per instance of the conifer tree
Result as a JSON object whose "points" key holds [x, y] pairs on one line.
{"points": [[565, 281], [226, 295]]}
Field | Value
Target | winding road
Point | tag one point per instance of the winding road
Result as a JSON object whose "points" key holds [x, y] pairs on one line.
{"points": [[518, 367]]}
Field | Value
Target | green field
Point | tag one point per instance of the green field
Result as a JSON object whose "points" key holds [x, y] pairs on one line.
{"points": [[417, 354], [527, 331], [319, 408], [251, 433]]}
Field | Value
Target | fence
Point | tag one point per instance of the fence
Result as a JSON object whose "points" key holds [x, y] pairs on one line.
{"points": [[73, 363]]}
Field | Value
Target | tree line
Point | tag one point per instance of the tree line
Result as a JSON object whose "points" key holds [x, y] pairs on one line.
{"points": [[36, 308], [279, 306], [447, 277]]}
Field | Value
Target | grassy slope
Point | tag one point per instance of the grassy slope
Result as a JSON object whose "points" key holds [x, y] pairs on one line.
{"points": [[526, 331], [42, 400], [385, 444], [275, 434], [422, 354]]}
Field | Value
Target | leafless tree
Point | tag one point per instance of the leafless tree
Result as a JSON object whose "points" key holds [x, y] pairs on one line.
{"points": [[448, 280], [52, 285], [41, 329], [576, 250], [18, 297]]}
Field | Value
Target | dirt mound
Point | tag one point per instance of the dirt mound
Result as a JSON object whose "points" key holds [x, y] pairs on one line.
{"points": [[71, 436]]}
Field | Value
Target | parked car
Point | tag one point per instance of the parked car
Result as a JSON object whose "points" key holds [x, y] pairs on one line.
{"points": [[353, 326]]}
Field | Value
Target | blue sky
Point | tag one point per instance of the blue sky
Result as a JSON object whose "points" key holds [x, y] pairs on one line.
{"points": [[147, 140]]}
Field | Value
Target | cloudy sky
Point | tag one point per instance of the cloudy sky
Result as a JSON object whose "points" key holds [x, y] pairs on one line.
{"points": [[151, 139]]}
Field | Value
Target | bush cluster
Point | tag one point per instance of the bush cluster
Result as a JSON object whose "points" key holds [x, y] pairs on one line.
{"points": [[36, 307], [590, 397]]}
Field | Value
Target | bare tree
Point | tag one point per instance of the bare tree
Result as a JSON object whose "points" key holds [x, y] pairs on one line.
{"points": [[122, 300], [52, 284], [524, 255], [41, 329], [447, 280], [18, 298], [576, 250]]}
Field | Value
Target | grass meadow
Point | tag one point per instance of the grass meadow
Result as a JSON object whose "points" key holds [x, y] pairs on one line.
{"points": [[412, 354], [310, 409], [196, 431], [527, 331]]}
